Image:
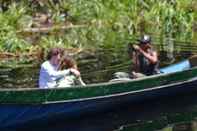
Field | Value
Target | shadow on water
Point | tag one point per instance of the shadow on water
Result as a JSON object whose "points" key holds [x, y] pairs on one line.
{"points": [[150, 115]]}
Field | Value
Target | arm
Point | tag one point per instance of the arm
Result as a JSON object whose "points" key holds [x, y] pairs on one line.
{"points": [[58, 73], [48, 69], [135, 61], [153, 58], [80, 81]]}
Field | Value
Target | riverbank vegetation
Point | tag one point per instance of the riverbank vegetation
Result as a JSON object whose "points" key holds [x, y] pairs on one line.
{"points": [[96, 31], [29, 26]]}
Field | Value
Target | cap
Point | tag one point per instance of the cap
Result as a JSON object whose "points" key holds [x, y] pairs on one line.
{"points": [[145, 39]]}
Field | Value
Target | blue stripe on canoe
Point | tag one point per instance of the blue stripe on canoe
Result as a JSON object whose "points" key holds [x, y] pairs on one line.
{"points": [[184, 65]]}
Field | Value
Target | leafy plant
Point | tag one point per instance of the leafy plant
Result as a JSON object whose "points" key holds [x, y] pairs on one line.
{"points": [[108, 24]]}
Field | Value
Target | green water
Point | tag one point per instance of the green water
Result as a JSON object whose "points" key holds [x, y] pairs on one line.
{"points": [[93, 70]]}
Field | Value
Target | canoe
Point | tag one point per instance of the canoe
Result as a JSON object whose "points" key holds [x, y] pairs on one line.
{"points": [[19, 107]]}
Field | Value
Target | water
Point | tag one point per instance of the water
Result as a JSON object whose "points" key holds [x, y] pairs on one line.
{"points": [[177, 113], [98, 69]]}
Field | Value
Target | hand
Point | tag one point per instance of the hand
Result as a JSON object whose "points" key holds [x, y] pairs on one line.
{"points": [[136, 47], [75, 72], [134, 74]]}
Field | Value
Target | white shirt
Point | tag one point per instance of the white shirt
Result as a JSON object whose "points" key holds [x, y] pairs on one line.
{"points": [[49, 74], [66, 81], [69, 81]]}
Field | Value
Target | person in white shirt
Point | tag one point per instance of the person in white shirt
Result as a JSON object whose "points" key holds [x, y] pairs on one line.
{"points": [[49, 73]]}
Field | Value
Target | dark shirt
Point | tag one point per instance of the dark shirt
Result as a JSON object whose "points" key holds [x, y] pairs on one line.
{"points": [[146, 67]]}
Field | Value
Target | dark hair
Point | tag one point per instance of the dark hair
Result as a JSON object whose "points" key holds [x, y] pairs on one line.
{"points": [[54, 51], [67, 62]]}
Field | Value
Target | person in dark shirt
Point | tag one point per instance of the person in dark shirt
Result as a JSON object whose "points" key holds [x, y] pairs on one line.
{"points": [[145, 58], [145, 61]]}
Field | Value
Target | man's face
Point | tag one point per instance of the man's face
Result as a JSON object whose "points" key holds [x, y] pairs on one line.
{"points": [[144, 46]]}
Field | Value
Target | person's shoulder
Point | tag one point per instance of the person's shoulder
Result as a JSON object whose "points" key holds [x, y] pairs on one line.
{"points": [[45, 64]]}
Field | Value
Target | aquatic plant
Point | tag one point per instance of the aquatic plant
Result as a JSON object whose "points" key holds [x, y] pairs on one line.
{"points": [[108, 24]]}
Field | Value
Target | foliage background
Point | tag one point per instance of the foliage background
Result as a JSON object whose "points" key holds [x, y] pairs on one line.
{"points": [[107, 23], [100, 28]]}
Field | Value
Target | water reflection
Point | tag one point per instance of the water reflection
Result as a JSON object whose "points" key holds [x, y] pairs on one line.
{"points": [[20, 77], [99, 68], [189, 126]]}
